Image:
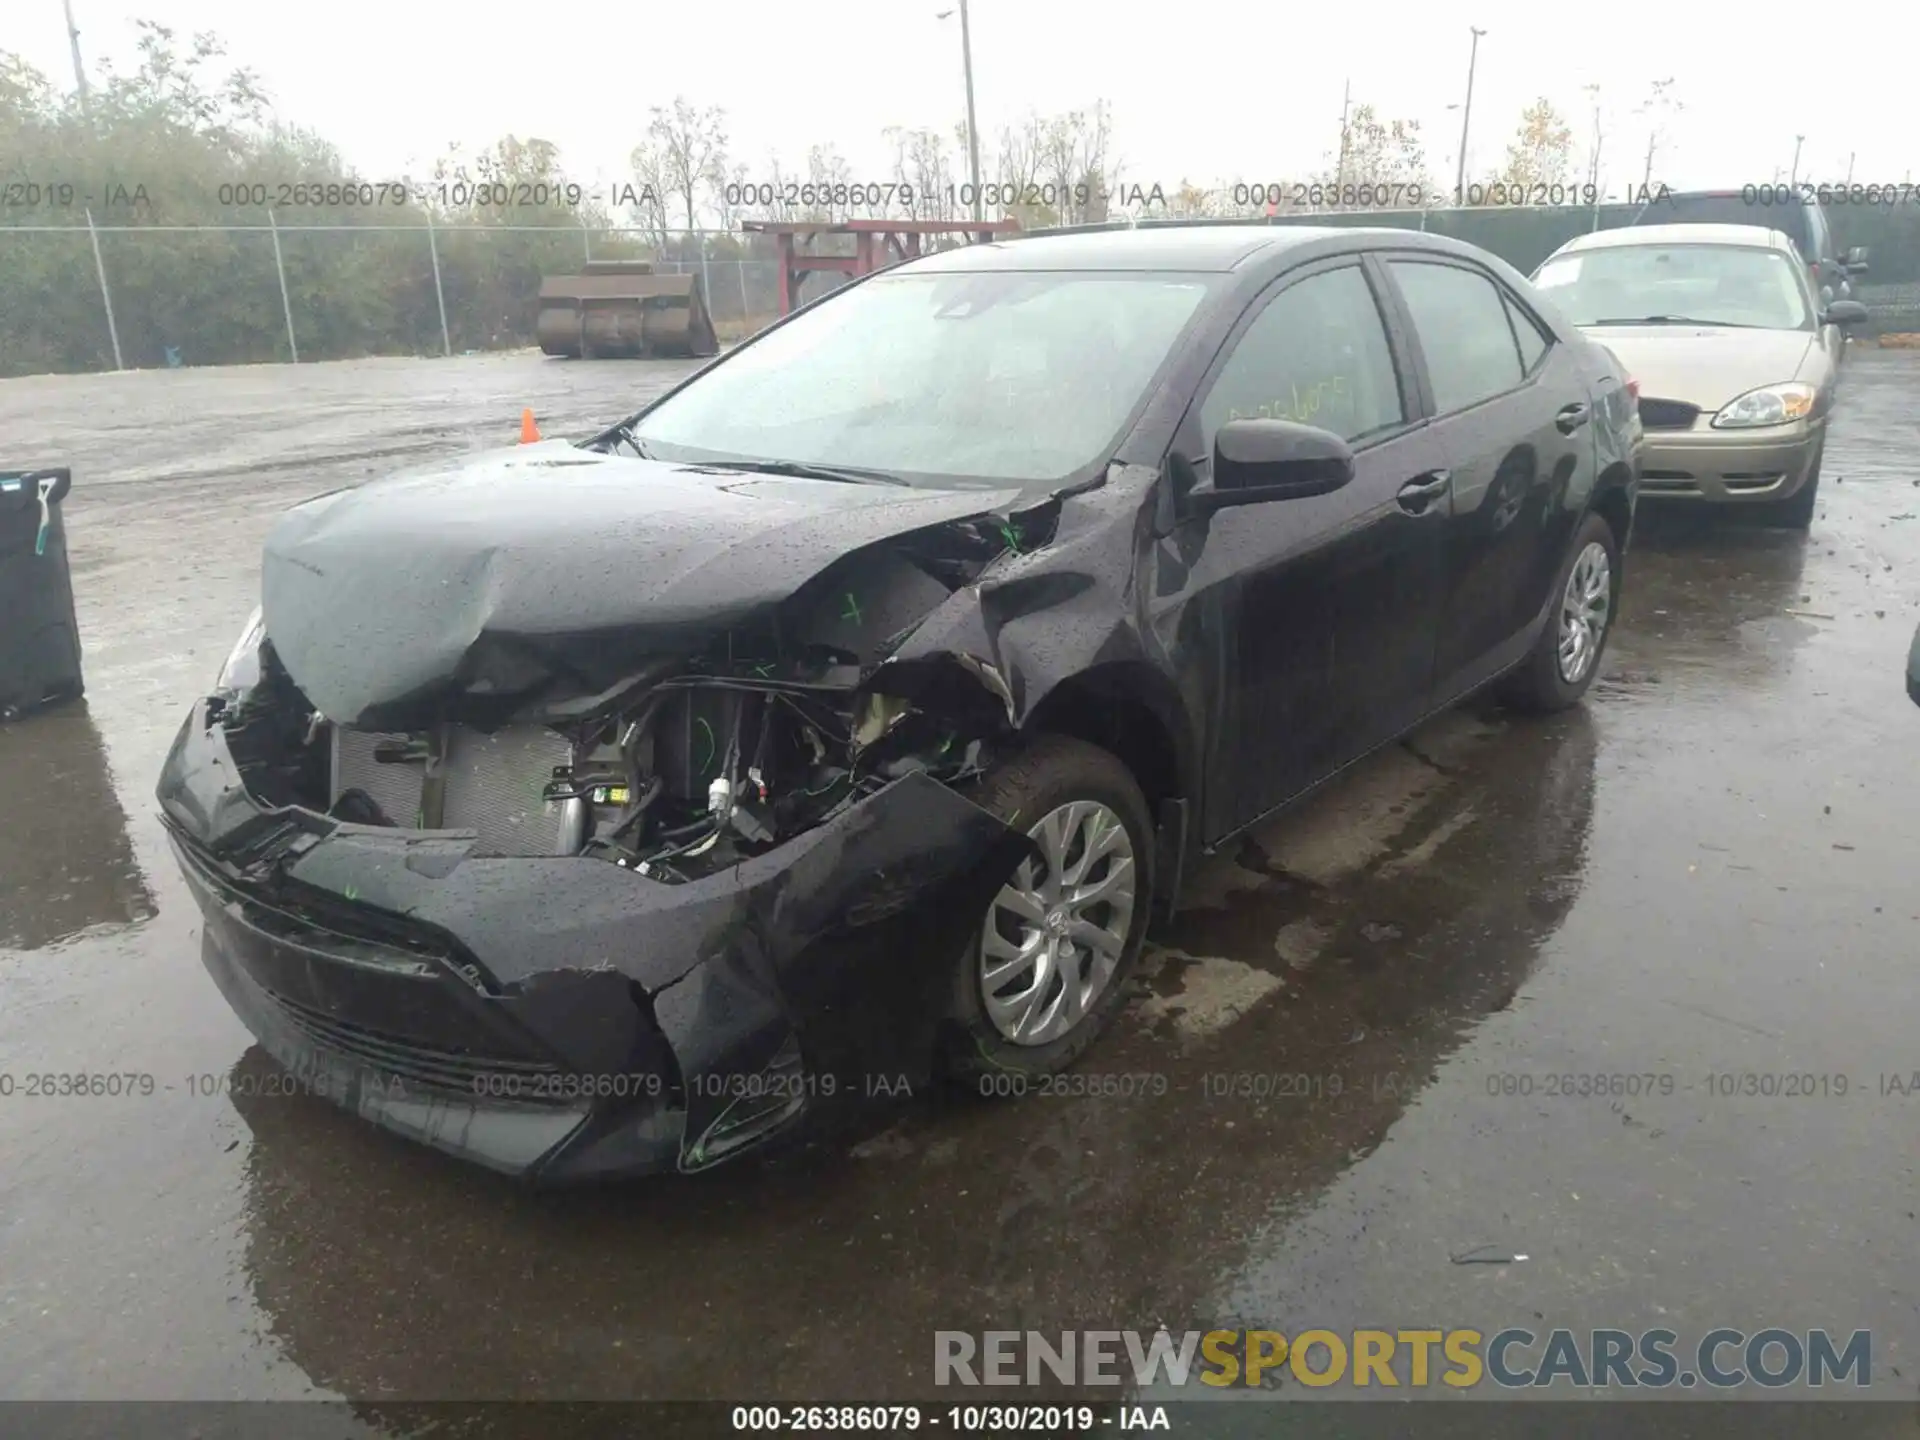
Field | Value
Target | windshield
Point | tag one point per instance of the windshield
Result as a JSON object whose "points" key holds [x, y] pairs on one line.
{"points": [[1703, 284], [992, 376]]}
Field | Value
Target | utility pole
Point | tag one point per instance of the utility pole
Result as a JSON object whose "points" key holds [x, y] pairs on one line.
{"points": [[1340, 170], [1466, 119], [973, 127], [1593, 155], [1593, 158], [1850, 167], [1793, 177], [1655, 104], [79, 70]]}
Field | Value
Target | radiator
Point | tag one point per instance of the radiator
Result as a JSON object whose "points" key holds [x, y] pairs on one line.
{"points": [[493, 784]]}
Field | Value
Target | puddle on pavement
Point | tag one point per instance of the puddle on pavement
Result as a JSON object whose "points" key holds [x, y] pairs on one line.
{"points": [[66, 864]]}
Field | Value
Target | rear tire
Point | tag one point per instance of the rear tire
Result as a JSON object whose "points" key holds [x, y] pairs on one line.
{"points": [[1088, 802], [1566, 657], [1796, 511]]}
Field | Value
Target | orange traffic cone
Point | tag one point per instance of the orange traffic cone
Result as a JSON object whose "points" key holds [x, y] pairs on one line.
{"points": [[529, 432]]}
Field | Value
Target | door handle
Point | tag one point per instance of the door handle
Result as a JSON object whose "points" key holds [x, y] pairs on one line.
{"points": [[1423, 490], [1572, 418]]}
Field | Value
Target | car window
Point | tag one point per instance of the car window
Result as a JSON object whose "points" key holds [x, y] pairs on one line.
{"points": [[1533, 343], [1717, 210], [985, 376], [1822, 237], [1461, 320], [1793, 218], [1318, 355], [1705, 284]]}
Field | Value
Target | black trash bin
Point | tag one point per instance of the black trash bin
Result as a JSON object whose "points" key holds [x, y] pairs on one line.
{"points": [[39, 640]]}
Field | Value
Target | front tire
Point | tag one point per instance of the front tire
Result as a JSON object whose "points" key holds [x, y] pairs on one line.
{"points": [[1046, 971], [1563, 662]]}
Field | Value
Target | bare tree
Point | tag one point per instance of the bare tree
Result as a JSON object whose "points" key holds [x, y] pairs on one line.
{"points": [[1599, 136], [1659, 107], [1389, 157], [1076, 172], [1016, 172], [924, 175], [831, 177], [776, 197], [691, 148], [1057, 169], [732, 196], [648, 195]]}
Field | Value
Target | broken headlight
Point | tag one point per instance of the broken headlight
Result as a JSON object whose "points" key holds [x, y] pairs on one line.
{"points": [[242, 670]]}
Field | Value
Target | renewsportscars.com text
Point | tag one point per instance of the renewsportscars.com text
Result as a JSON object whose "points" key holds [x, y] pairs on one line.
{"points": [[1721, 1359]]}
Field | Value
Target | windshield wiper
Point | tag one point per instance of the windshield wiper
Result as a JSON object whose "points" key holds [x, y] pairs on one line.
{"points": [[800, 470], [621, 434], [1675, 320]]}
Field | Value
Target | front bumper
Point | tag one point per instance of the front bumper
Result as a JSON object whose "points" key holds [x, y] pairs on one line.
{"points": [[1729, 466], [563, 1018]]}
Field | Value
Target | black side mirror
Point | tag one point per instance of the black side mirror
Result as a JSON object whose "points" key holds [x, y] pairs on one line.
{"points": [[1844, 312], [1255, 461]]}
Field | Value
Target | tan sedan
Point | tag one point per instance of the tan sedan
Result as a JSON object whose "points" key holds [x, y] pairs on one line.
{"points": [[1733, 355]]}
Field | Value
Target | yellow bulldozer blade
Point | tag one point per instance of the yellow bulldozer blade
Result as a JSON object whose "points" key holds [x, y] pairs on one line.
{"points": [[622, 309]]}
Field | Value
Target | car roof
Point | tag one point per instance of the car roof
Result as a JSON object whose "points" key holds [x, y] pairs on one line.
{"points": [[1199, 246], [1787, 195], [1750, 237]]}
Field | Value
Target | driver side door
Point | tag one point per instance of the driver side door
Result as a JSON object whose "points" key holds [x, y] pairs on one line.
{"points": [[1330, 605]]}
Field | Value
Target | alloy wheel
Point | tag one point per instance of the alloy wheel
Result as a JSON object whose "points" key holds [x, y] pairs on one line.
{"points": [[1584, 610], [1055, 933]]}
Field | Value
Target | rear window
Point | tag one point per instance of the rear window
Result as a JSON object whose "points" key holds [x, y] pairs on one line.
{"points": [[1790, 219]]}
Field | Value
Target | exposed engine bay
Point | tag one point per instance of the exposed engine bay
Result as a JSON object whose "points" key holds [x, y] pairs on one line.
{"points": [[693, 763]]}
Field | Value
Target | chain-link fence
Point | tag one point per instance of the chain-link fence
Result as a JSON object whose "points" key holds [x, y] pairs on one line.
{"points": [[78, 297], [101, 297]]}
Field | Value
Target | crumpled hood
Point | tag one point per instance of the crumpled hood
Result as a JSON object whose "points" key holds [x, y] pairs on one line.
{"points": [[495, 573]]}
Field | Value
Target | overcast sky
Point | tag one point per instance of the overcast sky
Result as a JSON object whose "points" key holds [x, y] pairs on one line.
{"points": [[1204, 89]]}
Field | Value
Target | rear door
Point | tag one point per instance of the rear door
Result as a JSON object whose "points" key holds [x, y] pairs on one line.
{"points": [[1332, 603], [1831, 282], [1515, 423]]}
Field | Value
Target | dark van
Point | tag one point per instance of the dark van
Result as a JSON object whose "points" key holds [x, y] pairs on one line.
{"points": [[1795, 211]]}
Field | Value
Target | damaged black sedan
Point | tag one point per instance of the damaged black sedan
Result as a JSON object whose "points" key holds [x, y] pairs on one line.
{"points": [[602, 808]]}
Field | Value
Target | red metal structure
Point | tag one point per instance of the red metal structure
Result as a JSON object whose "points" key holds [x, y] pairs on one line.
{"points": [[876, 243]]}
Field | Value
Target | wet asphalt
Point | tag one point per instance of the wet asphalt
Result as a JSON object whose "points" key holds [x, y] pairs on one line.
{"points": [[1708, 870]]}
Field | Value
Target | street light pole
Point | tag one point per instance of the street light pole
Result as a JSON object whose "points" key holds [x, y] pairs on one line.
{"points": [[1466, 119], [1794, 176], [973, 128]]}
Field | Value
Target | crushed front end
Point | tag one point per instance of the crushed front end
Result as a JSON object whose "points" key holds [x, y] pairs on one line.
{"points": [[568, 934]]}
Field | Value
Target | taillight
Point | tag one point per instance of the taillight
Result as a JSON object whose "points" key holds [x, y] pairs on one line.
{"points": [[1633, 390]]}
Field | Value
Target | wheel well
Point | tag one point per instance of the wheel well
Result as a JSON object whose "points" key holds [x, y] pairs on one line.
{"points": [[1103, 713], [1612, 505]]}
